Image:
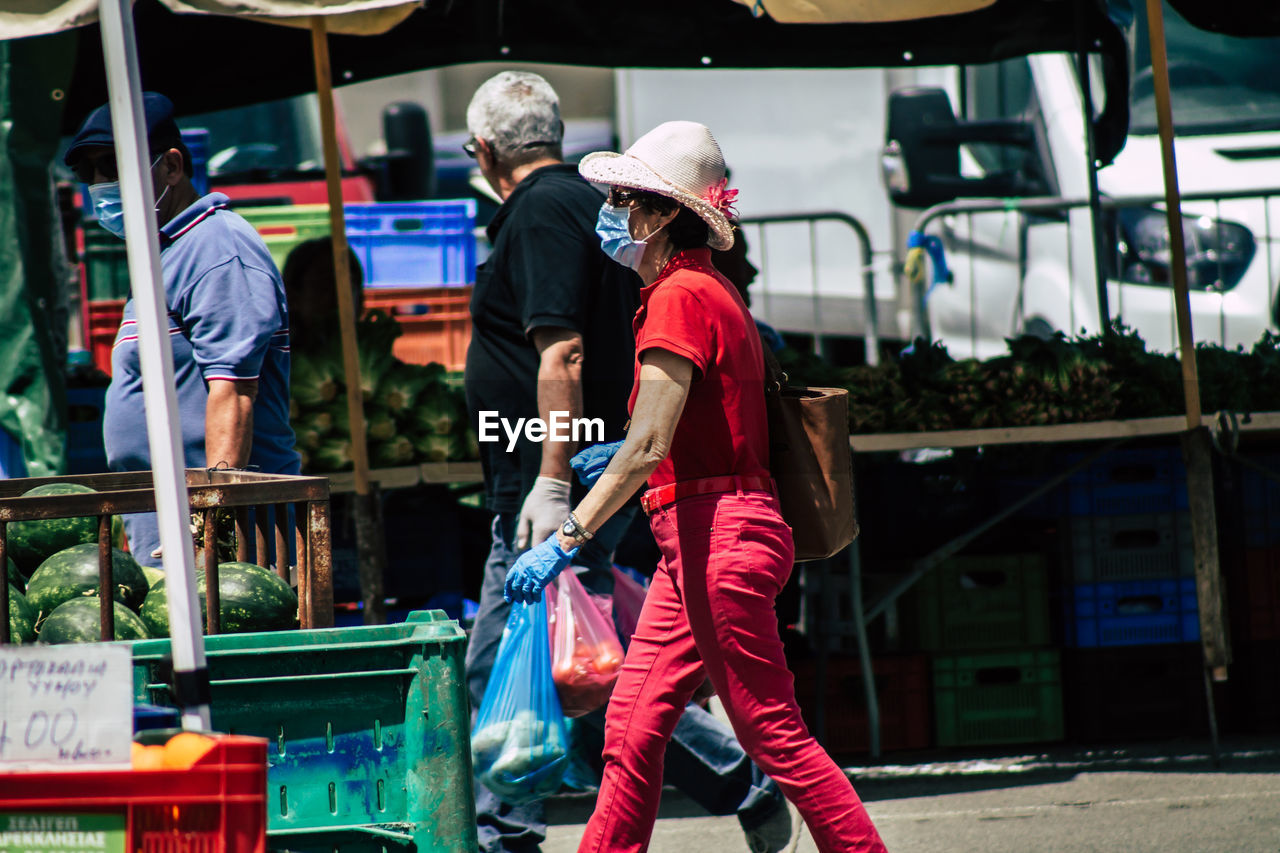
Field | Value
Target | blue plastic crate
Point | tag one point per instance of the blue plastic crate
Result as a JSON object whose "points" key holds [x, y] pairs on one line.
{"points": [[12, 463], [1129, 482], [86, 453], [147, 716], [1133, 613], [197, 141], [414, 244]]}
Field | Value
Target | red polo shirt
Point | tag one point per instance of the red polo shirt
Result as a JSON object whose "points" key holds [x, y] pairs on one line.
{"points": [[694, 312]]}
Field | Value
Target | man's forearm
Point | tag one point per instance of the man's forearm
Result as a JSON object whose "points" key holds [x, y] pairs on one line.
{"points": [[559, 390], [228, 423]]}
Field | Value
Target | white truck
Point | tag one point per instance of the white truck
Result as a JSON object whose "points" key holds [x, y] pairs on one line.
{"points": [[813, 141]]}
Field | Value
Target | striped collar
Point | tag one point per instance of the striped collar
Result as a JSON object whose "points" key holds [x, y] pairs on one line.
{"points": [[191, 217]]}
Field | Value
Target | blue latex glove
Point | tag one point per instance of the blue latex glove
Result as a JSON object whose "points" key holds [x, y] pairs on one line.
{"points": [[590, 462], [536, 568]]}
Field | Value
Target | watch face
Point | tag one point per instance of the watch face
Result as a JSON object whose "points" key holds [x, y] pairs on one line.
{"points": [[567, 529]]}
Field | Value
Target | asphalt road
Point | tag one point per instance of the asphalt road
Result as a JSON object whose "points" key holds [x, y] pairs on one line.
{"points": [[1168, 798]]}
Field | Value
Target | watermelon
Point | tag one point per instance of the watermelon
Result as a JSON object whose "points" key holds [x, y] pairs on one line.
{"points": [[73, 572], [31, 542], [252, 599], [22, 618], [79, 621], [152, 574], [15, 576]]}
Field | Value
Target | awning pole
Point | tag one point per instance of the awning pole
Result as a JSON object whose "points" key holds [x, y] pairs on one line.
{"points": [[1095, 201], [367, 538], [1195, 445], [164, 436]]}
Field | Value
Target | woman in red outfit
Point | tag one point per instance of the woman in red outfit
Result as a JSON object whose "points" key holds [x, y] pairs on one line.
{"points": [[699, 437]]}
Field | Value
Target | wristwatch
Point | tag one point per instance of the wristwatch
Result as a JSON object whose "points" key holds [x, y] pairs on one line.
{"points": [[574, 530]]}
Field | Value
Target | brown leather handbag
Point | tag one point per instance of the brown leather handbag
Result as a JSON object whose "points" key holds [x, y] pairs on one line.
{"points": [[811, 461]]}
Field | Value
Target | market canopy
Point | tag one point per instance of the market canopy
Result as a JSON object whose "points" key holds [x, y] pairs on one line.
{"points": [[210, 62]]}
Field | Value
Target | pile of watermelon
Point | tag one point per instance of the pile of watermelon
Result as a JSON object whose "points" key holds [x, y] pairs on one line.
{"points": [[53, 583]]}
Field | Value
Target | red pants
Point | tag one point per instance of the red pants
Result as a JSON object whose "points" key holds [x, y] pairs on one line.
{"points": [[710, 610]]}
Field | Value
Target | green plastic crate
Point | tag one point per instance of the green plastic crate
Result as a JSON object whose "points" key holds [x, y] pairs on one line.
{"points": [[999, 697], [285, 226], [106, 268], [970, 603], [369, 730]]}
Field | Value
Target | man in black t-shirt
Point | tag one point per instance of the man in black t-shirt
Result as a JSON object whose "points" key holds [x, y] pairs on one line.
{"points": [[551, 317]]}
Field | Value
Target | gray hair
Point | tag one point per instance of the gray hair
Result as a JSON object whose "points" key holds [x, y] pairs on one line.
{"points": [[518, 114]]}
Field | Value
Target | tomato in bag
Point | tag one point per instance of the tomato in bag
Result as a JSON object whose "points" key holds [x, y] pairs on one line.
{"points": [[586, 655]]}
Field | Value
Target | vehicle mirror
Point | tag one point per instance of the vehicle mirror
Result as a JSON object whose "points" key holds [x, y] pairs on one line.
{"points": [[919, 162], [921, 158], [410, 173]]}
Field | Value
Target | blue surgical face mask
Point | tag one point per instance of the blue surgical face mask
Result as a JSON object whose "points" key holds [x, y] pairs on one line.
{"points": [[613, 226], [108, 207]]}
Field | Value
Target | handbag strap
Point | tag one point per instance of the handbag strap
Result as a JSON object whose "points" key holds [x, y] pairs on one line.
{"points": [[774, 376]]}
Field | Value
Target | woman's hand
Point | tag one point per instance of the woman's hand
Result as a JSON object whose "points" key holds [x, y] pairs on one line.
{"points": [[536, 568]]}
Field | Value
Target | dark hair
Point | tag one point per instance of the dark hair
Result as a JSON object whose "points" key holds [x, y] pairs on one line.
{"points": [[319, 251], [313, 311], [687, 231]]}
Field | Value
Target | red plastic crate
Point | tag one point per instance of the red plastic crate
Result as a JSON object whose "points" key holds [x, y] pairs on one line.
{"points": [[1262, 585], [217, 806], [902, 691], [436, 322], [104, 321]]}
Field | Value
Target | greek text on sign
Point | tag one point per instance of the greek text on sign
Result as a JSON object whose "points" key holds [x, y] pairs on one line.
{"points": [[65, 705]]}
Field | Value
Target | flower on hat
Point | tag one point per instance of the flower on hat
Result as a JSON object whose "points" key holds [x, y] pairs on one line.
{"points": [[722, 199]]}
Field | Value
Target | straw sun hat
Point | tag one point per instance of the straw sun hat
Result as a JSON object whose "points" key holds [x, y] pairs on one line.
{"points": [[677, 159]]}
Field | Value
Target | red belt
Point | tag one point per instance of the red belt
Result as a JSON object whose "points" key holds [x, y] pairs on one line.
{"points": [[672, 492]]}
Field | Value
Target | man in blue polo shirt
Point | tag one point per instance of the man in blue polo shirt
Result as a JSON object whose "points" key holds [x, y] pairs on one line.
{"points": [[228, 320]]}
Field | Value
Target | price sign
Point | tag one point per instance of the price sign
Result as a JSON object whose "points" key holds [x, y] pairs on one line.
{"points": [[70, 706], [62, 833]]}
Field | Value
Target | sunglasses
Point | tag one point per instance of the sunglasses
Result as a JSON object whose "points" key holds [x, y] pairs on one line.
{"points": [[104, 164], [621, 197], [470, 147]]}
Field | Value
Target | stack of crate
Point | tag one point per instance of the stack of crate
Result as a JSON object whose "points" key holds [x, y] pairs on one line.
{"points": [[996, 678], [1254, 578], [1131, 625]]}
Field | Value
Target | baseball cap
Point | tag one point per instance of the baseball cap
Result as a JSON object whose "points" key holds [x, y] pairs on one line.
{"points": [[162, 130]]}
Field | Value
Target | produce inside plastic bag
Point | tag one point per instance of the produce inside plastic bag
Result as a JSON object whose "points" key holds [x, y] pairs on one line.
{"points": [[519, 747], [586, 655]]}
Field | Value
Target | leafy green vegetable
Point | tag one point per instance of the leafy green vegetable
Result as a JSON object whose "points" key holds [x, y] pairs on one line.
{"points": [[313, 381], [388, 454]]}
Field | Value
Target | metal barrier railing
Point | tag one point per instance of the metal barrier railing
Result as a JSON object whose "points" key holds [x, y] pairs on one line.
{"points": [[1063, 204], [871, 333], [208, 490]]}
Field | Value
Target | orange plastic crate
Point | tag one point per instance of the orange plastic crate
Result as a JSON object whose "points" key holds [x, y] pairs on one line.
{"points": [[217, 806], [436, 322]]}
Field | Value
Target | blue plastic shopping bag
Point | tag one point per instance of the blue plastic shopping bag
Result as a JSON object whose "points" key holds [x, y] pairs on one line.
{"points": [[519, 744]]}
